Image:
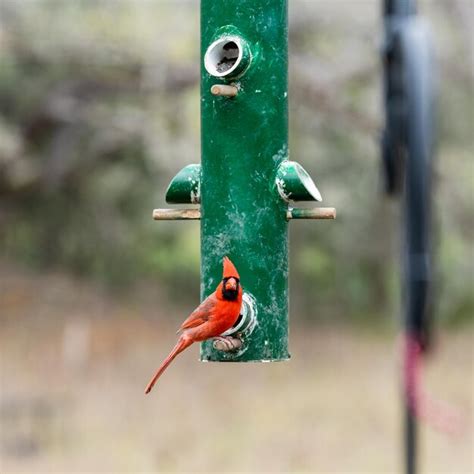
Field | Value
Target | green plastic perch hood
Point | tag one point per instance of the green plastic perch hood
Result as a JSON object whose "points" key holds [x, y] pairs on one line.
{"points": [[185, 187], [295, 184]]}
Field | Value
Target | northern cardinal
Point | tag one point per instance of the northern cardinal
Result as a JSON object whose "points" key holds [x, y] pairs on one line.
{"points": [[215, 315]]}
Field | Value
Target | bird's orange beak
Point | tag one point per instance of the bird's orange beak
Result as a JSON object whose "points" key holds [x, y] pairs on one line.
{"points": [[231, 284]]}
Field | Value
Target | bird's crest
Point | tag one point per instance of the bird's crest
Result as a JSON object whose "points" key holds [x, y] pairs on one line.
{"points": [[229, 269]]}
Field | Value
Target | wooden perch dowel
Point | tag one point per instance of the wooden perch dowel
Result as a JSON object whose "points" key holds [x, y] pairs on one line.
{"points": [[315, 213], [224, 90], [291, 213], [176, 214]]}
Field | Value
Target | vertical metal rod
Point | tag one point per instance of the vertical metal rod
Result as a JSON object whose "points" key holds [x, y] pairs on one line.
{"points": [[409, 117], [418, 176], [410, 438]]}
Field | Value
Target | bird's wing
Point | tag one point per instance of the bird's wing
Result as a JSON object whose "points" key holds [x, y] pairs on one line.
{"points": [[201, 314]]}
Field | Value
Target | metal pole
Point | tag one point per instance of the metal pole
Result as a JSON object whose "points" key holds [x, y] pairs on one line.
{"points": [[407, 155], [410, 438]]}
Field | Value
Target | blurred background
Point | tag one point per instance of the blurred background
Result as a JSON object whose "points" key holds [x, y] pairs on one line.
{"points": [[99, 108]]}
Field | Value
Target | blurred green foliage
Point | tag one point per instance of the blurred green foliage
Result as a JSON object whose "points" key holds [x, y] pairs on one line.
{"points": [[99, 107]]}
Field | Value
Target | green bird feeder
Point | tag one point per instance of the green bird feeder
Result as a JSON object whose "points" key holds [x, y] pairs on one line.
{"points": [[246, 185]]}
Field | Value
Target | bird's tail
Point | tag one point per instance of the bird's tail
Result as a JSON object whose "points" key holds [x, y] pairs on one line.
{"points": [[182, 343]]}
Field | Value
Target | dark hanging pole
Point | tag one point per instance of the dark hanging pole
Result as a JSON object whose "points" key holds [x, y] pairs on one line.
{"points": [[407, 154]]}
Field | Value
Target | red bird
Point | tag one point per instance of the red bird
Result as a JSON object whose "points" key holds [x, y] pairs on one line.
{"points": [[215, 315]]}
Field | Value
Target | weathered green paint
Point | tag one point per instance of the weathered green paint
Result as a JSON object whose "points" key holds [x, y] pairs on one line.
{"points": [[244, 140], [295, 184], [185, 187]]}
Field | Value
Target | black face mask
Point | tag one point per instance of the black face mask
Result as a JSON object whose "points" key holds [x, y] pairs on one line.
{"points": [[230, 295]]}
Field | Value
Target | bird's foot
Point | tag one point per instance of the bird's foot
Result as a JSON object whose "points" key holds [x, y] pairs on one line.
{"points": [[227, 343]]}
